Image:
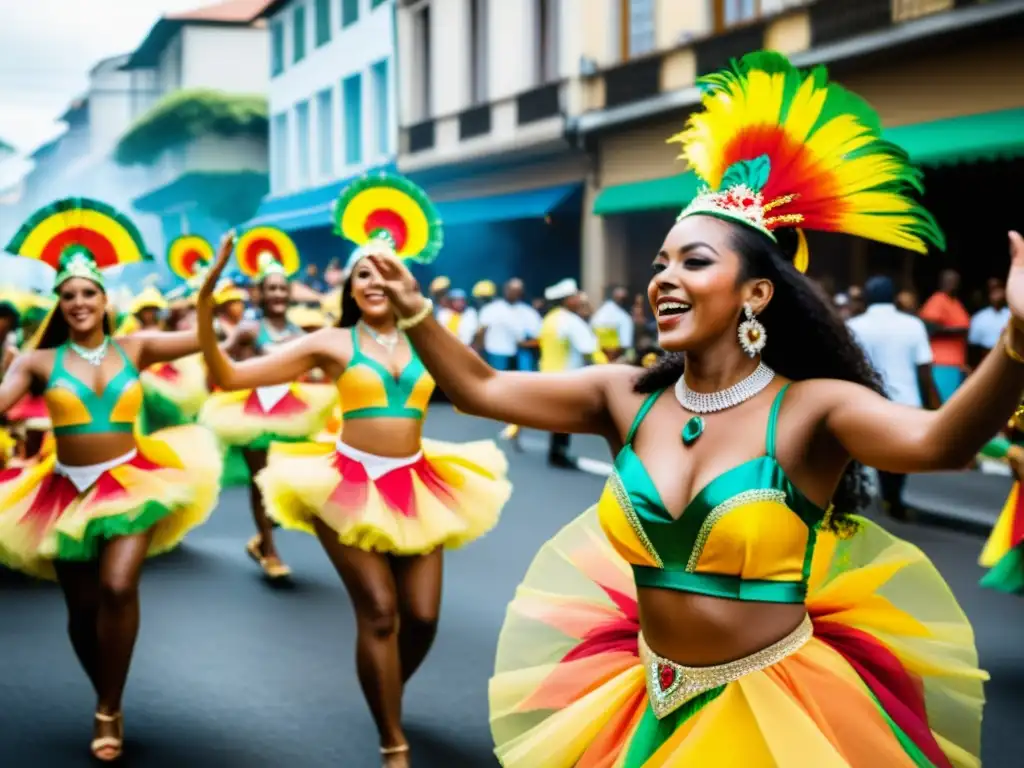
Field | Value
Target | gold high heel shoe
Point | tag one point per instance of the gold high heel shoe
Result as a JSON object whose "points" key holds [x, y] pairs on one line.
{"points": [[107, 749], [272, 567]]}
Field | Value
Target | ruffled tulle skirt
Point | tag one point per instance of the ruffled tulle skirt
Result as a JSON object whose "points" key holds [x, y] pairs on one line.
{"points": [[256, 418], [30, 413], [173, 393], [1003, 553], [449, 495], [889, 676], [169, 485]]}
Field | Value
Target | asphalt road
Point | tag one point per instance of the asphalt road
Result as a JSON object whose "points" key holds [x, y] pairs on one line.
{"points": [[229, 672]]}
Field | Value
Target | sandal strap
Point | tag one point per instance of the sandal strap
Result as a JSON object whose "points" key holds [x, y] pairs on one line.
{"points": [[394, 750], [107, 718]]}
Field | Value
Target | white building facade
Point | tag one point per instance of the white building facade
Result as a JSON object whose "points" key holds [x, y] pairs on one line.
{"points": [[332, 91]]}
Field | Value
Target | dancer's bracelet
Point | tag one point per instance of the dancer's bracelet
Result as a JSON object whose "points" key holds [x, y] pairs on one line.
{"points": [[1012, 353], [405, 323]]}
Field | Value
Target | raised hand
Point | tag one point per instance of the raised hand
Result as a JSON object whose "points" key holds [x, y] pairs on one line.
{"points": [[398, 283], [1015, 279], [227, 245]]}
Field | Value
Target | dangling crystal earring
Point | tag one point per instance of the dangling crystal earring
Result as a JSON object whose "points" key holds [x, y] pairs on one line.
{"points": [[752, 334]]}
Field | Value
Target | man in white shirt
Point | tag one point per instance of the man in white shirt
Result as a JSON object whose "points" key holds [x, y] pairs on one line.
{"points": [[896, 344], [988, 324], [613, 324], [506, 323], [566, 344]]}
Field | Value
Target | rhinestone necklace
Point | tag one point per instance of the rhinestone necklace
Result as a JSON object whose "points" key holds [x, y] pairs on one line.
{"points": [[389, 341], [94, 356], [712, 402]]}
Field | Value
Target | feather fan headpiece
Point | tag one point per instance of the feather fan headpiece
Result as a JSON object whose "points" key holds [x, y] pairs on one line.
{"points": [[777, 147]]}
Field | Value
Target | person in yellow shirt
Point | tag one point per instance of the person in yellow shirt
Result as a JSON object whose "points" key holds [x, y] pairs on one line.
{"points": [[566, 343]]}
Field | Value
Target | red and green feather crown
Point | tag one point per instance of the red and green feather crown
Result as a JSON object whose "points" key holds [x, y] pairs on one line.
{"points": [[81, 228], [778, 147], [390, 208]]}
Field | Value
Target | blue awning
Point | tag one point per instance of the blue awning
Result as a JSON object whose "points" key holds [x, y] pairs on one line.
{"points": [[528, 204], [303, 210], [313, 207]]}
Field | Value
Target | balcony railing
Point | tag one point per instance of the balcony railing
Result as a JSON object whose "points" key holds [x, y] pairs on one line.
{"points": [[906, 10], [834, 20]]}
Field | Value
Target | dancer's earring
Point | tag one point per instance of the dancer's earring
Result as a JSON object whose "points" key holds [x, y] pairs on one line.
{"points": [[752, 334]]}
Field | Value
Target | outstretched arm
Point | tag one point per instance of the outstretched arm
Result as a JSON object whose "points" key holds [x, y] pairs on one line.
{"points": [[283, 366], [163, 346], [896, 438], [16, 382], [575, 401]]}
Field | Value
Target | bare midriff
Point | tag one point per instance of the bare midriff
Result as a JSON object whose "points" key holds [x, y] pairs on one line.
{"points": [[700, 631], [86, 450], [392, 437]]}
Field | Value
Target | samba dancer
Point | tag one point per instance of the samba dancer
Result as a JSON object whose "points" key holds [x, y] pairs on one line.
{"points": [[733, 611], [383, 501], [91, 513], [251, 420]]}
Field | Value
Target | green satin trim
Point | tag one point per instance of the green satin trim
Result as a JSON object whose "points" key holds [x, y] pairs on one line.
{"points": [[383, 413], [721, 585], [997, 447], [917, 757], [651, 733]]}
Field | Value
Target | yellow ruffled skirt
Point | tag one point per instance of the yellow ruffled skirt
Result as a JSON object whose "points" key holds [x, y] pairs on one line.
{"points": [[173, 393], [450, 495], [889, 676], [169, 485], [240, 419]]}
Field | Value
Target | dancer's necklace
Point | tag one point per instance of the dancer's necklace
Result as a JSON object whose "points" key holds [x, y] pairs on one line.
{"points": [[388, 341], [712, 402], [94, 356]]}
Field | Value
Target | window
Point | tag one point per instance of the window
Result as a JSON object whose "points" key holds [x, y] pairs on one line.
{"points": [[422, 54], [276, 48], [381, 114], [352, 97], [323, 22], [546, 23], [302, 142], [349, 12], [637, 32], [279, 151], [325, 131], [299, 34], [478, 51], [729, 13]]}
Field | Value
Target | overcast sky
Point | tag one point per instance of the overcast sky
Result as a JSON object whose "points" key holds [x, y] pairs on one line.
{"points": [[48, 46]]}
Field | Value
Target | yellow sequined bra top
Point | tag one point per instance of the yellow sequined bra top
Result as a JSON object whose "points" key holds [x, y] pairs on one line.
{"points": [[368, 390], [748, 535], [75, 409]]}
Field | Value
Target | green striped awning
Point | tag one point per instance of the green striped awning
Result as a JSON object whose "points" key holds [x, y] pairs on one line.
{"points": [[965, 139], [657, 194]]}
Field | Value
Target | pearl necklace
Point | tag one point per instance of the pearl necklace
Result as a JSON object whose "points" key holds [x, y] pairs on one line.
{"points": [[389, 342], [712, 402], [94, 356]]}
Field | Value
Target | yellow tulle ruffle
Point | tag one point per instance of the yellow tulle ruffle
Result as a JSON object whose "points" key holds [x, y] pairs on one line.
{"points": [[170, 486], [182, 383], [452, 495], [238, 419], [569, 690]]}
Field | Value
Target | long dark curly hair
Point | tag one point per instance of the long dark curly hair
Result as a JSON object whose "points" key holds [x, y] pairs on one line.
{"points": [[811, 342]]}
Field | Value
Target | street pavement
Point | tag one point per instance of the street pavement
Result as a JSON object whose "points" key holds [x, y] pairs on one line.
{"points": [[231, 672]]}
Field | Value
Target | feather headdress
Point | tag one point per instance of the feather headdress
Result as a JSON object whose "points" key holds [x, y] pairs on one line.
{"points": [[777, 147], [388, 208]]}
